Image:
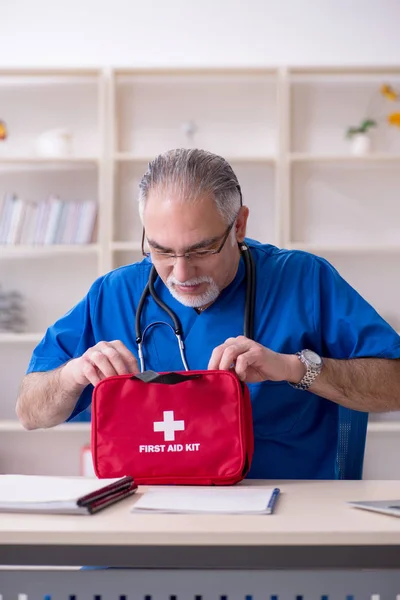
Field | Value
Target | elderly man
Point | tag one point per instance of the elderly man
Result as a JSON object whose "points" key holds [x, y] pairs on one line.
{"points": [[317, 343]]}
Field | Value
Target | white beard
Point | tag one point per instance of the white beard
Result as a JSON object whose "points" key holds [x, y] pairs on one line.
{"points": [[209, 296]]}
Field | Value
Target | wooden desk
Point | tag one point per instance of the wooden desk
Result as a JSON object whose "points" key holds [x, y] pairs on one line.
{"points": [[312, 527]]}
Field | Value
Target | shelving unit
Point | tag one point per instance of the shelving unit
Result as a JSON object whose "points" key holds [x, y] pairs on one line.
{"points": [[222, 106], [281, 129], [344, 207], [51, 277]]}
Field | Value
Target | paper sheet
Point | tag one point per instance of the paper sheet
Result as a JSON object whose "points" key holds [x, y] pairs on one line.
{"points": [[222, 500]]}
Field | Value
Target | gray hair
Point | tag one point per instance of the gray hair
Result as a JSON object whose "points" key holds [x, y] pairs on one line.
{"points": [[193, 174]]}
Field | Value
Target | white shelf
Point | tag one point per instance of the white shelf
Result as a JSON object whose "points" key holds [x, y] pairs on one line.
{"points": [[123, 246], [20, 338], [384, 427], [195, 75], [48, 159], [60, 74], [36, 163], [347, 158], [351, 75], [345, 249], [13, 426], [129, 157], [15, 251]]}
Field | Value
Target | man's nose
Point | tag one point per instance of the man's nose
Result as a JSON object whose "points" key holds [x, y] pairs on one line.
{"points": [[183, 269]]}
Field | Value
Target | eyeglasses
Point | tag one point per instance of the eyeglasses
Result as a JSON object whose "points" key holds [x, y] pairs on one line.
{"points": [[168, 258]]}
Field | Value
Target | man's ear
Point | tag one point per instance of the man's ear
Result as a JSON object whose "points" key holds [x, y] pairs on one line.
{"points": [[241, 223]]}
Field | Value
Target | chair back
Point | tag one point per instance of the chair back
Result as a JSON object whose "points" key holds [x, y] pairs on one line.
{"points": [[351, 443]]}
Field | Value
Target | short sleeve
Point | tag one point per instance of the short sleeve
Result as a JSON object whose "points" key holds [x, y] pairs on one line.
{"points": [[69, 337], [346, 324]]}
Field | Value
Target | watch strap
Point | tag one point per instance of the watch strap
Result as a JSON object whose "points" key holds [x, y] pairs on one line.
{"points": [[309, 377]]}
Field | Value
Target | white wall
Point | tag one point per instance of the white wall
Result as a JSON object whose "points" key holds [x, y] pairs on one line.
{"points": [[198, 32]]}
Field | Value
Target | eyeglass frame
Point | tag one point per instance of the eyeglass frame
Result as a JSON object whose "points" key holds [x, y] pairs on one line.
{"points": [[207, 253], [186, 255]]}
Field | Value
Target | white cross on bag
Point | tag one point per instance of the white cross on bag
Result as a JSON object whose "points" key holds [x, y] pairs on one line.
{"points": [[169, 426]]}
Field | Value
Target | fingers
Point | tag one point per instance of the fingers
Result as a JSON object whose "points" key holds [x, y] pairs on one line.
{"points": [[216, 356], [113, 358], [107, 359], [129, 358], [90, 372], [224, 356], [95, 366], [242, 363], [230, 354]]}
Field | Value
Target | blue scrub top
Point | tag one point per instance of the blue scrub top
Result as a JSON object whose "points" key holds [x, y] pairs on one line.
{"points": [[301, 302]]}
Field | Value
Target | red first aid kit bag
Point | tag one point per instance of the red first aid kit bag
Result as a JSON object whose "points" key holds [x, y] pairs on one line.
{"points": [[183, 428]]}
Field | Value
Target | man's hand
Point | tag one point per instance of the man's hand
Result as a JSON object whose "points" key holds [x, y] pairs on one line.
{"points": [[253, 362], [102, 360]]}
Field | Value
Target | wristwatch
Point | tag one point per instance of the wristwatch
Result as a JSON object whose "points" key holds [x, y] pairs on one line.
{"points": [[313, 363]]}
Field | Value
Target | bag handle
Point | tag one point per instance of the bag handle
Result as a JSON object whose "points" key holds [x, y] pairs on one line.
{"points": [[168, 378]]}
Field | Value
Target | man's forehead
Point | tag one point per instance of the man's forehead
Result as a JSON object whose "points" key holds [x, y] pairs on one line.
{"points": [[179, 200]]}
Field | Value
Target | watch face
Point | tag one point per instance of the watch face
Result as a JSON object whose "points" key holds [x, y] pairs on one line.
{"points": [[313, 358]]}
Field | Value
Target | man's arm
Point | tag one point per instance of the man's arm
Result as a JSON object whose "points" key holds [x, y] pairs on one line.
{"points": [[48, 399], [367, 384]]}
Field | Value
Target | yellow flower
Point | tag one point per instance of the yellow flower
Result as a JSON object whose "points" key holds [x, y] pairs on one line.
{"points": [[388, 92], [394, 119], [3, 130]]}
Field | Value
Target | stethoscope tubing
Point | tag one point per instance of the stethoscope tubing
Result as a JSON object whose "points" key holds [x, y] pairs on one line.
{"points": [[177, 327]]}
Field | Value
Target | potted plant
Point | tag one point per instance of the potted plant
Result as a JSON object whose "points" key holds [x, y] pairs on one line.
{"points": [[359, 136]]}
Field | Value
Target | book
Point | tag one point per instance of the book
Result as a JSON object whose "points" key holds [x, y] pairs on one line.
{"points": [[46, 222], [61, 495], [218, 500], [386, 507]]}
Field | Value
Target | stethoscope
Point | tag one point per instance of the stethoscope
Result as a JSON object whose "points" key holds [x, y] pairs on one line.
{"points": [[250, 274]]}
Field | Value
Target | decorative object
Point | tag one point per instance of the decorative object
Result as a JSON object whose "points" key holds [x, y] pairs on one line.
{"points": [[54, 143], [189, 128], [4, 141], [11, 312], [394, 119], [3, 131], [390, 94], [359, 136], [360, 139]]}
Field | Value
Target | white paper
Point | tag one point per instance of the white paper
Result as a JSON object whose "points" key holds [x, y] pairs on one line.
{"points": [[34, 489], [222, 500], [386, 507]]}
